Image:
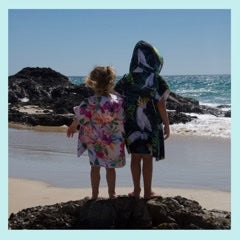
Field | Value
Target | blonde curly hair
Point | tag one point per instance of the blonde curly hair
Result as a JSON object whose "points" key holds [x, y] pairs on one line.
{"points": [[101, 80]]}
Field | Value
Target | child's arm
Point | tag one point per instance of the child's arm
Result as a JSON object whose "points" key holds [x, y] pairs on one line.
{"points": [[72, 128], [163, 112]]}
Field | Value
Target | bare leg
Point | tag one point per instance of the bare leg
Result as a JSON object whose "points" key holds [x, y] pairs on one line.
{"points": [[95, 180], [136, 174], [147, 175], [111, 180]]}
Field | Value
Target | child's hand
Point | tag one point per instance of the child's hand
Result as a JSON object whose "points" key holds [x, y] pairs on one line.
{"points": [[70, 131], [166, 132], [163, 112], [72, 128]]}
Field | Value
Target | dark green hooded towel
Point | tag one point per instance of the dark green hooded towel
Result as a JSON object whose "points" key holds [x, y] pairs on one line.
{"points": [[141, 89]]}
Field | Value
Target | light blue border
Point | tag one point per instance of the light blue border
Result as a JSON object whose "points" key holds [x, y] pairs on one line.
{"points": [[234, 233]]}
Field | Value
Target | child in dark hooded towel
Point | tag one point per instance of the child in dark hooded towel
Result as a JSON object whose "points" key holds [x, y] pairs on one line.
{"points": [[146, 120]]}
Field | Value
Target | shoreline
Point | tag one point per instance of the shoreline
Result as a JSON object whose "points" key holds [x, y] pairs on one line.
{"points": [[40, 128], [25, 193], [51, 157], [63, 128]]}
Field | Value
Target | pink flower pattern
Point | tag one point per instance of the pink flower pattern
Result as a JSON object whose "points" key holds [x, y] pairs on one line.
{"points": [[101, 130]]}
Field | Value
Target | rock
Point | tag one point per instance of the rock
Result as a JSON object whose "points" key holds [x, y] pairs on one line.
{"points": [[168, 226], [44, 85], [182, 104], [189, 105], [45, 77], [97, 214], [223, 106], [213, 111], [227, 114], [175, 98], [121, 213], [47, 119], [44, 88], [50, 90], [175, 118]]}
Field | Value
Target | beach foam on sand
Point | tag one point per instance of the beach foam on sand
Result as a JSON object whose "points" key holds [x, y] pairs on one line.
{"points": [[28, 193]]}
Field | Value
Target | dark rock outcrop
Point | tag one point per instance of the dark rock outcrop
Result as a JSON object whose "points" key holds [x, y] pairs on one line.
{"points": [[50, 90], [178, 117], [47, 119], [122, 213], [47, 89], [189, 105], [227, 114], [44, 87]]}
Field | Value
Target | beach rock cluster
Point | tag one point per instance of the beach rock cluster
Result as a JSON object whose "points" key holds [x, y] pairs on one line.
{"points": [[55, 96], [45, 88], [122, 213]]}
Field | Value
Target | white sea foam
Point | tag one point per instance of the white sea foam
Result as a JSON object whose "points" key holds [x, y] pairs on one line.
{"points": [[214, 105], [204, 125], [24, 99]]}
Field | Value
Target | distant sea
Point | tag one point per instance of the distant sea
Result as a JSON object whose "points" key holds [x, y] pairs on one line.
{"points": [[211, 90], [207, 89]]}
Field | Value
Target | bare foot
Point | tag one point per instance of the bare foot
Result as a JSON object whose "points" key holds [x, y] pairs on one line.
{"points": [[151, 195], [112, 196], [94, 197], [135, 193], [132, 194]]}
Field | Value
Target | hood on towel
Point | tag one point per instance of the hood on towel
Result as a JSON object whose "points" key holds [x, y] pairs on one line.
{"points": [[145, 58]]}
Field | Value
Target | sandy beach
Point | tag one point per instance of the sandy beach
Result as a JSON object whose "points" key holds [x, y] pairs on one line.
{"points": [[44, 169], [27, 193]]}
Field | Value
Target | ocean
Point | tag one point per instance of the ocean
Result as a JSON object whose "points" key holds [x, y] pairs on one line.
{"points": [[191, 161], [211, 90]]}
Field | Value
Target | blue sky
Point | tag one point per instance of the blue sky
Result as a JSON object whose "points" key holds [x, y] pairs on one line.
{"points": [[74, 41]]}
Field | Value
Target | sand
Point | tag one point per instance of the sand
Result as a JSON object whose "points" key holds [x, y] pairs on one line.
{"points": [[192, 167], [38, 128], [28, 193]]}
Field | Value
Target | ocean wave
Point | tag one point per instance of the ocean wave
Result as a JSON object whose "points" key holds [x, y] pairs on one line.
{"points": [[205, 125], [205, 88], [226, 107]]}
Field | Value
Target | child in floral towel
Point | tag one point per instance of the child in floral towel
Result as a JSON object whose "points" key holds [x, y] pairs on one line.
{"points": [[101, 128], [146, 119]]}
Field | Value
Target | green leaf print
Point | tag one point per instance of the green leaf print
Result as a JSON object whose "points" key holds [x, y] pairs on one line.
{"points": [[81, 121], [114, 122], [129, 78], [98, 148], [96, 162], [131, 110]]}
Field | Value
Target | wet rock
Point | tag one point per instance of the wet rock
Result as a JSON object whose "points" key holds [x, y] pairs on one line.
{"points": [[213, 111], [223, 106], [47, 119], [175, 118], [227, 114], [189, 105], [122, 213]]}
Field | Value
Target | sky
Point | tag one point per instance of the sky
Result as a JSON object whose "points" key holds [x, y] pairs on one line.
{"points": [[72, 42]]}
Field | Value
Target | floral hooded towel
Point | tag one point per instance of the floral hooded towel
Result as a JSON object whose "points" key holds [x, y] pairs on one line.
{"points": [[141, 89], [101, 130]]}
